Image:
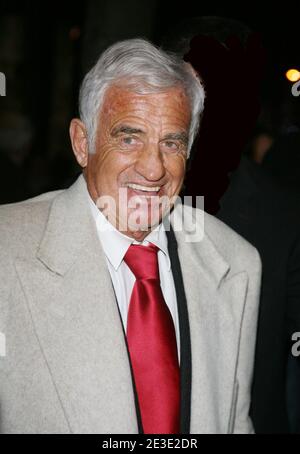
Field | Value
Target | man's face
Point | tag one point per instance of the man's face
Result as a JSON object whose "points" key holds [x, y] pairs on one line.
{"points": [[140, 150]]}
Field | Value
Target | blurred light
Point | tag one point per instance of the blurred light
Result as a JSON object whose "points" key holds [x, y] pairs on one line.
{"points": [[292, 75], [74, 33]]}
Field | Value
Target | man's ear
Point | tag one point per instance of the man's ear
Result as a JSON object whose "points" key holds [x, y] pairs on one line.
{"points": [[78, 135]]}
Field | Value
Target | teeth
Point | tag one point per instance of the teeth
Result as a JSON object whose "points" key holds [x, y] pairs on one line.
{"points": [[143, 188]]}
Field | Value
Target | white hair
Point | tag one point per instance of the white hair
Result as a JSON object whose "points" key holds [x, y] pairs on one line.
{"points": [[143, 68]]}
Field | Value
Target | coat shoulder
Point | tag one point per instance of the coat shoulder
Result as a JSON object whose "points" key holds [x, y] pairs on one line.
{"points": [[22, 223], [21, 228], [233, 247]]}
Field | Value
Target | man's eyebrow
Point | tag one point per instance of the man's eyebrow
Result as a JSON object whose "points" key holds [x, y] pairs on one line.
{"points": [[126, 130], [182, 136]]}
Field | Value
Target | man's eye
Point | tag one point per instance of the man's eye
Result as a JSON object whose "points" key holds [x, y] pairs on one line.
{"points": [[128, 140], [171, 145]]}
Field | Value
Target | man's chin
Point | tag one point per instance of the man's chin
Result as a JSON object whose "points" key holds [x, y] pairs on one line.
{"points": [[144, 220]]}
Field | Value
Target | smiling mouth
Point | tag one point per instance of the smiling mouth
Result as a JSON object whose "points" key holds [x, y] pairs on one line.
{"points": [[144, 190]]}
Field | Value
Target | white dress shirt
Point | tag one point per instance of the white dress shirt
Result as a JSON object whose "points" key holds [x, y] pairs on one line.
{"points": [[115, 245]]}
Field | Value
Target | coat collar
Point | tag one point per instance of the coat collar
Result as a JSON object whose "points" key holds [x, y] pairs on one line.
{"points": [[68, 229], [70, 224], [194, 241]]}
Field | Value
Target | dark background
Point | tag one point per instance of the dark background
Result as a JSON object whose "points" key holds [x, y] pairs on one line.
{"points": [[47, 47]]}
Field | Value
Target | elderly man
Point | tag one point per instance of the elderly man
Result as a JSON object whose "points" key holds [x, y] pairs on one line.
{"points": [[115, 320]]}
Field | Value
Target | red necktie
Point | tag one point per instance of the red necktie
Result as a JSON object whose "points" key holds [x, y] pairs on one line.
{"points": [[152, 345]]}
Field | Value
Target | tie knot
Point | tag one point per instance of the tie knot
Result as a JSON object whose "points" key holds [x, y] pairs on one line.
{"points": [[142, 260]]}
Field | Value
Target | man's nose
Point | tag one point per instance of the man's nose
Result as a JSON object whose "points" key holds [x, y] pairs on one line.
{"points": [[150, 163]]}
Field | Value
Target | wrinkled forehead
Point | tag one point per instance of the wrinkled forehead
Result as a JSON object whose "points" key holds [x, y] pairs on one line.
{"points": [[120, 100]]}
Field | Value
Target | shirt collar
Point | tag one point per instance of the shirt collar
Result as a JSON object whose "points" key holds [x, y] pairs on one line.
{"points": [[115, 243]]}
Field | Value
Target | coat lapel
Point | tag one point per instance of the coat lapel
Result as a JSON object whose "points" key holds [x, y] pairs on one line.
{"points": [[215, 299], [76, 319]]}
